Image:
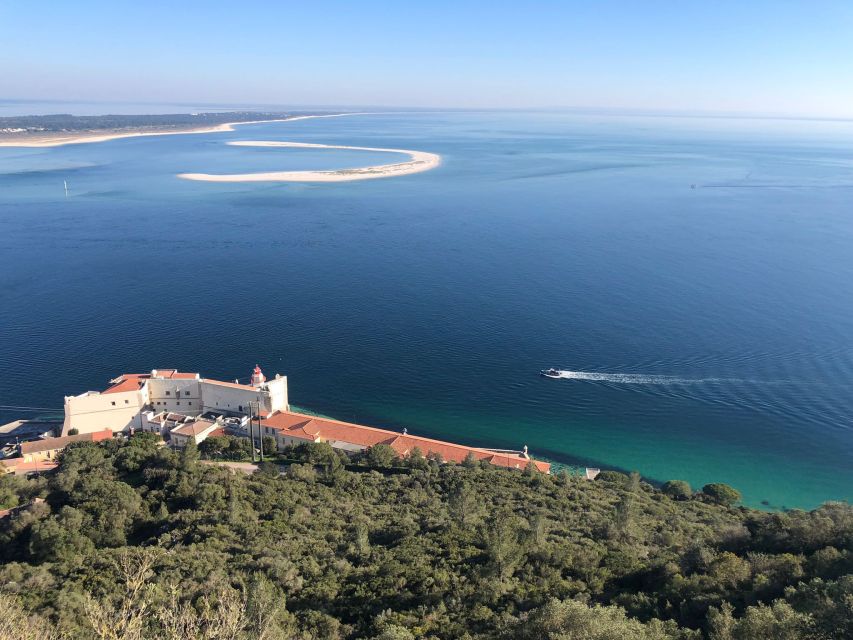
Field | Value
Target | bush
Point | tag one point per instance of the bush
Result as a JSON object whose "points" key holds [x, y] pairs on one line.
{"points": [[721, 493], [677, 489], [613, 476]]}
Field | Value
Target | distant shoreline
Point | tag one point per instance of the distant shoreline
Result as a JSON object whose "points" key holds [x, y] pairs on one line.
{"points": [[54, 140], [418, 161]]}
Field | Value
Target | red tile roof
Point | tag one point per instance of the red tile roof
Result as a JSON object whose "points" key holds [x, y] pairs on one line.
{"points": [[309, 428], [52, 444], [194, 428], [128, 382]]}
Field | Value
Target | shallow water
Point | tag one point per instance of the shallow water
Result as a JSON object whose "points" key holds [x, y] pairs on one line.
{"points": [[693, 276]]}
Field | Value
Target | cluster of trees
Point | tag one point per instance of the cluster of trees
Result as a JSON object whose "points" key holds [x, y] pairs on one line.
{"points": [[134, 540]]}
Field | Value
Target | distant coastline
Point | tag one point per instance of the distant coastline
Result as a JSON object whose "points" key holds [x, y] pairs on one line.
{"points": [[418, 161], [58, 139]]}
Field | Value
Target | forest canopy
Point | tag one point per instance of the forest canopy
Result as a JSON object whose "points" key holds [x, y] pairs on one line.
{"points": [[128, 539]]}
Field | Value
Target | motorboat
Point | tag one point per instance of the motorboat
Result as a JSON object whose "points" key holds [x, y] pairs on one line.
{"points": [[550, 373]]}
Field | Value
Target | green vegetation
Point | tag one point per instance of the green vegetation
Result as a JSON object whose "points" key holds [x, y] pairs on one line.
{"points": [[721, 493], [135, 541], [677, 489], [69, 123]]}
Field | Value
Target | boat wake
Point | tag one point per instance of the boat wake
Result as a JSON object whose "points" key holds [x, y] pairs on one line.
{"points": [[635, 378]]}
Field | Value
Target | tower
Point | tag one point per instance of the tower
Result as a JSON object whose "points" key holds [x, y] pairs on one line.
{"points": [[258, 377]]}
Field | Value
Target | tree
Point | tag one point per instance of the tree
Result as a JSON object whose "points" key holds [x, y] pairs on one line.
{"points": [[213, 447], [778, 621], [189, 455], [125, 618], [268, 469], [17, 624], [623, 513], [270, 446], [416, 460], [616, 477], [677, 489], [60, 538], [571, 619], [464, 505], [721, 493], [381, 455], [316, 453], [395, 632], [503, 544]]}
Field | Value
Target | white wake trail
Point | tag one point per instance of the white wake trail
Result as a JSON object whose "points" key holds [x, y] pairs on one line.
{"points": [[636, 378]]}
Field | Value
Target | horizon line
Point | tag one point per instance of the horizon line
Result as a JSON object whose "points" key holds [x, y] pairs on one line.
{"points": [[597, 110]]}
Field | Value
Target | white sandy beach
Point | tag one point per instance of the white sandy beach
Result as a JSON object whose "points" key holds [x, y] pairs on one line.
{"points": [[84, 137], [418, 161]]}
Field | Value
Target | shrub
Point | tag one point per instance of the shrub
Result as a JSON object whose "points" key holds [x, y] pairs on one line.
{"points": [[613, 476], [677, 489], [721, 493]]}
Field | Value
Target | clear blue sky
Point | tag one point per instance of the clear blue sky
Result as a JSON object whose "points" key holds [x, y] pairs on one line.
{"points": [[760, 56]]}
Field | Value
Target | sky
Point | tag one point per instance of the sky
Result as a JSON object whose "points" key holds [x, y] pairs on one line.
{"points": [[759, 57]]}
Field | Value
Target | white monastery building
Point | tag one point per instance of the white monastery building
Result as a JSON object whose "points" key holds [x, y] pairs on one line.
{"points": [[121, 407]]}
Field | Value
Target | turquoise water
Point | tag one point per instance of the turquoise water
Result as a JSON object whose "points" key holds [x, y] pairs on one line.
{"points": [[696, 272]]}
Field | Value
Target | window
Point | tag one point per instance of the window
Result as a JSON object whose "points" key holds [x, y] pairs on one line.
{"points": [[240, 408], [127, 402], [178, 402], [186, 393], [191, 403], [113, 403], [168, 393]]}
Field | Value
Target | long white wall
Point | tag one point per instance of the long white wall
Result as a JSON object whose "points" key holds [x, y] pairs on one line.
{"points": [[92, 412]]}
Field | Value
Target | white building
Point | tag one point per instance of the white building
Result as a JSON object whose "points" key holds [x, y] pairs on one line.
{"points": [[121, 406], [198, 429]]}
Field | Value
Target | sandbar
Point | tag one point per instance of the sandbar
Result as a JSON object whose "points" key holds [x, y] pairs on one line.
{"points": [[418, 161]]}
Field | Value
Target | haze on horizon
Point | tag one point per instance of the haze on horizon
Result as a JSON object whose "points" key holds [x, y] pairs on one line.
{"points": [[762, 57]]}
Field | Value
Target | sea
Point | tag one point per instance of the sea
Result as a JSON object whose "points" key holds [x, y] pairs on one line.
{"points": [[690, 277]]}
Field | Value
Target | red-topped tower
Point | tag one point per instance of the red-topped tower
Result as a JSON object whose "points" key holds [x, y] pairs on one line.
{"points": [[258, 377]]}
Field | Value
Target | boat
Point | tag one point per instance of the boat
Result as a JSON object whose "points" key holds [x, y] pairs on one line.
{"points": [[550, 373]]}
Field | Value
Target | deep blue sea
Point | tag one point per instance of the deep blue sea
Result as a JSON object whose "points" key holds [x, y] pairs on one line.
{"points": [[695, 273]]}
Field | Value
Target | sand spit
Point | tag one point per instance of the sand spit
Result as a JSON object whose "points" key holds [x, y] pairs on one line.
{"points": [[52, 140], [418, 161]]}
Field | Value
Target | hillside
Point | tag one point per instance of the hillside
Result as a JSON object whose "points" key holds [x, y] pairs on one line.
{"points": [[136, 541]]}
